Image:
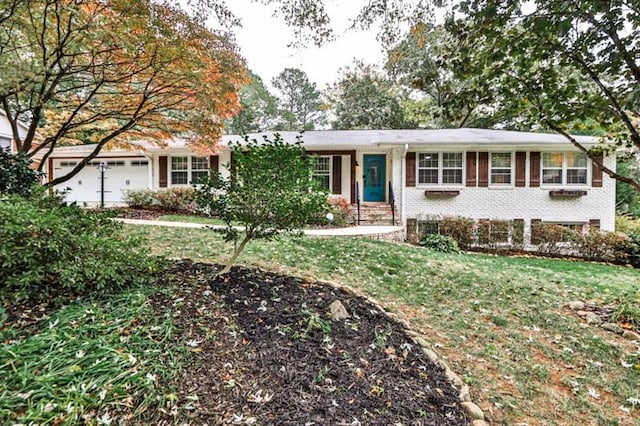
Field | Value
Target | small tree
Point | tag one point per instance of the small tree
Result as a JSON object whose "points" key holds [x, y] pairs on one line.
{"points": [[269, 193], [16, 174]]}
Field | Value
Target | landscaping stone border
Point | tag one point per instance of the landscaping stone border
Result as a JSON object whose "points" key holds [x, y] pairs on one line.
{"points": [[464, 395]]}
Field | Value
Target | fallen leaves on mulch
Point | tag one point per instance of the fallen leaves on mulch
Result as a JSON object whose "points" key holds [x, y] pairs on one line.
{"points": [[264, 350]]}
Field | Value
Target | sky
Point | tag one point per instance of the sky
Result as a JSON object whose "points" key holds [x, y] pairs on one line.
{"points": [[263, 42]]}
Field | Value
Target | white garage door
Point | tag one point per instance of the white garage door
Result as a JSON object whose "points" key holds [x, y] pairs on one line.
{"points": [[121, 174]]}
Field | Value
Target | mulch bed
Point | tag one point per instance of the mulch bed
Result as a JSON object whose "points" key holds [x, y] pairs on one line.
{"points": [[264, 350]]}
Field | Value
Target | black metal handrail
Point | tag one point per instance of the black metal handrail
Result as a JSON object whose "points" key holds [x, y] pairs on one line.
{"points": [[392, 203], [358, 202]]}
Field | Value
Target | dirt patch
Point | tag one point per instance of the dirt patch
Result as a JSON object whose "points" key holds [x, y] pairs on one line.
{"points": [[266, 351]]}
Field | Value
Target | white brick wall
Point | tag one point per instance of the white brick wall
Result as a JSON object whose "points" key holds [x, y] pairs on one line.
{"points": [[520, 203]]}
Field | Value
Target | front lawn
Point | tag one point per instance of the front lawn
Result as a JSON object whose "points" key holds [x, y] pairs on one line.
{"points": [[502, 323]]}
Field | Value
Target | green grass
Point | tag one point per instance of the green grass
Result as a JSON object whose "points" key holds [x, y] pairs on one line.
{"points": [[89, 362], [190, 219], [499, 321]]}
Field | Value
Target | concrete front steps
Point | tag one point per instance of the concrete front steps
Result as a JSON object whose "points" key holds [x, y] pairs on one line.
{"points": [[374, 214]]}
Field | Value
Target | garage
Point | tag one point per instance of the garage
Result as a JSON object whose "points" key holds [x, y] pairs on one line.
{"points": [[121, 174]]}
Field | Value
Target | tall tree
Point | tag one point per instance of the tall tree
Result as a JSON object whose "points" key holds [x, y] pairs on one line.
{"points": [[421, 62], [300, 101], [363, 99], [110, 73], [561, 62], [258, 109]]}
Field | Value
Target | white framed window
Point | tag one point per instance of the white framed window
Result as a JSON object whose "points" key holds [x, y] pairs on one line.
{"points": [[322, 172], [501, 168], [199, 169], [139, 163], [440, 168], [564, 168], [188, 169], [179, 170]]}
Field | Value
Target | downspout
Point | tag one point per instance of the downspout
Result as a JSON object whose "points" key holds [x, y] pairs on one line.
{"points": [[403, 186]]}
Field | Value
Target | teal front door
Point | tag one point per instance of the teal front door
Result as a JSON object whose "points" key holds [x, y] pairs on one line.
{"points": [[374, 177]]}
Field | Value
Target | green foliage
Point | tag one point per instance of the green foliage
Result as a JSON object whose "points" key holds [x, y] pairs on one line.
{"points": [[421, 62], [440, 243], [363, 99], [47, 247], [595, 244], [88, 363], [339, 211], [628, 311], [300, 102], [627, 198], [547, 74], [550, 238], [16, 174], [627, 225], [258, 109], [634, 249], [269, 192], [176, 199], [138, 198]]}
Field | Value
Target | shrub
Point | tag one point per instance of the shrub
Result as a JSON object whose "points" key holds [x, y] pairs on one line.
{"points": [[48, 247], [176, 199], [599, 245], [460, 229], [551, 238], [627, 224], [493, 234], [16, 174], [268, 193], [139, 198], [340, 213], [633, 250], [440, 243]]}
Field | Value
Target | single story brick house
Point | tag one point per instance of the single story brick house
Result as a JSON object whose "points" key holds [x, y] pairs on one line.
{"points": [[475, 173]]}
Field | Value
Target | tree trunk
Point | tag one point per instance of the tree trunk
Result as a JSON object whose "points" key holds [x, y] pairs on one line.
{"points": [[235, 254]]}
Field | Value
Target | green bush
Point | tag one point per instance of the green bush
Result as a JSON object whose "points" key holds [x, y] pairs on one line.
{"points": [[627, 224], [177, 199], [461, 229], [16, 174], [440, 243], [603, 246], [48, 247], [139, 198], [633, 251], [551, 239]]}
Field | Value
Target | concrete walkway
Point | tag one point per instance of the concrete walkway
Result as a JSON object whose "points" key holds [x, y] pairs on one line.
{"points": [[351, 231]]}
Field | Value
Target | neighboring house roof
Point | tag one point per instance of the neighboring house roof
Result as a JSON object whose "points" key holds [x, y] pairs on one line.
{"points": [[363, 138]]}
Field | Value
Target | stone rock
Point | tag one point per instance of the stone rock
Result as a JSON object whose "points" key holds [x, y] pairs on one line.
{"points": [[576, 305], [614, 328], [582, 313], [631, 335], [478, 422], [431, 355], [473, 410], [454, 378], [592, 318], [338, 311], [464, 394], [591, 303]]}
